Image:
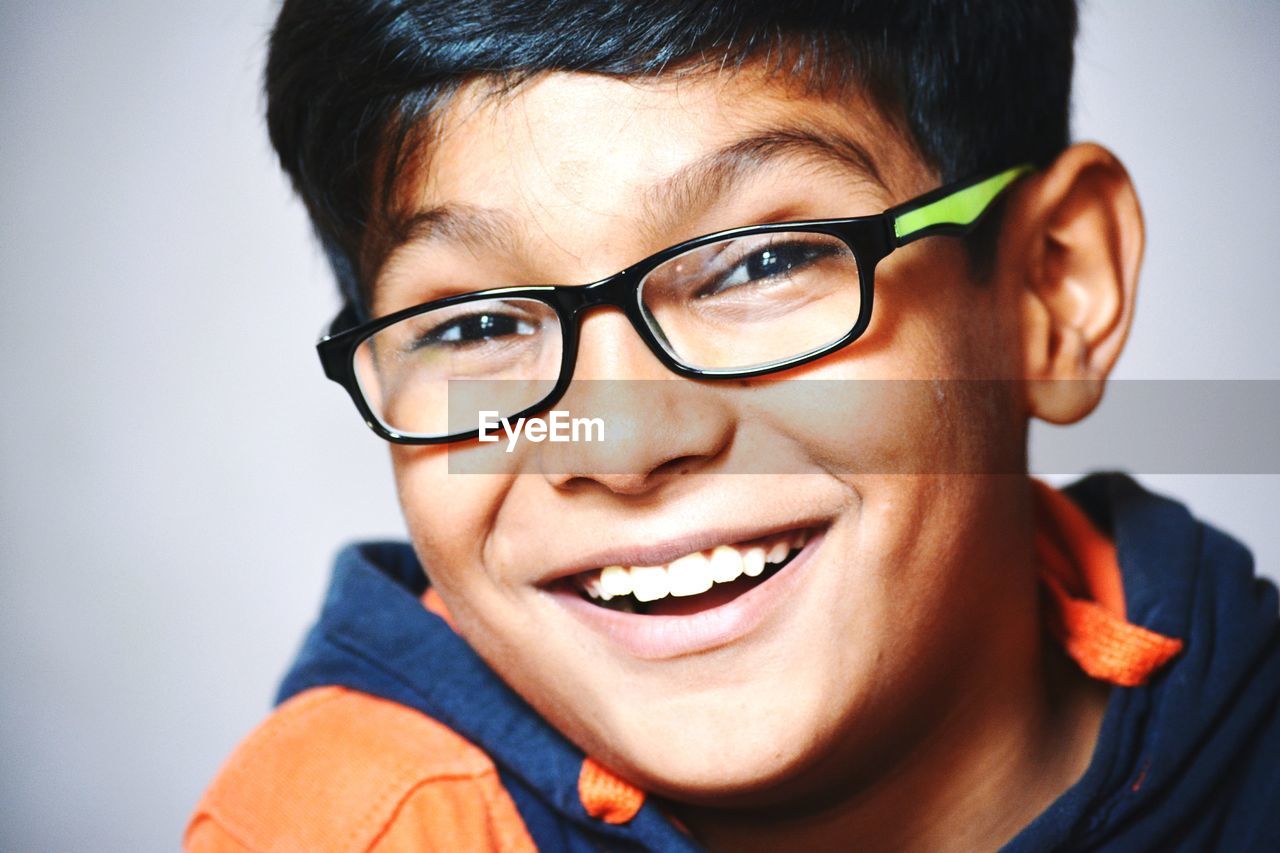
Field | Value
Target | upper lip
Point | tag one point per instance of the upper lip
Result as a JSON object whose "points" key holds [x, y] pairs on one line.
{"points": [[660, 553]]}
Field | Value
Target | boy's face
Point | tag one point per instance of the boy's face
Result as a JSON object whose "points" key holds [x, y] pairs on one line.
{"points": [[889, 615]]}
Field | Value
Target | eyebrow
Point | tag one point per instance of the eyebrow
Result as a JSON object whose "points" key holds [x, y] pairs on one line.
{"points": [[698, 185], [478, 228], [692, 188]]}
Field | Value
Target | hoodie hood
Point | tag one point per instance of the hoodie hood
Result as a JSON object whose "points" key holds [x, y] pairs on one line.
{"points": [[1189, 759]]}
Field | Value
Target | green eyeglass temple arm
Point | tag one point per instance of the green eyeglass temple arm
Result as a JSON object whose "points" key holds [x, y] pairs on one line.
{"points": [[952, 209]]}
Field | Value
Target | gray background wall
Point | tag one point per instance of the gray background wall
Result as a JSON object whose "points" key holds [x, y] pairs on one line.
{"points": [[174, 472]]}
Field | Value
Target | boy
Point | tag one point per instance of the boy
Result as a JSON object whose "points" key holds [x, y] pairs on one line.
{"points": [[803, 594]]}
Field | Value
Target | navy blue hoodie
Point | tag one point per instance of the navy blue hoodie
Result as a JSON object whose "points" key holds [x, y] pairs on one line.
{"points": [[1188, 761]]}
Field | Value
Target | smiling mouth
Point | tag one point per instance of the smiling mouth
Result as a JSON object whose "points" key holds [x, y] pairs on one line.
{"points": [[692, 583]]}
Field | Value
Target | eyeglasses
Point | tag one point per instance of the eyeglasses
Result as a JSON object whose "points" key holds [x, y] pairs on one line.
{"points": [[733, 304]]}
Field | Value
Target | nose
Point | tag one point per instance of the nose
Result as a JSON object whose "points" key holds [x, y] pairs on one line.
{"points": [[656, 425]]}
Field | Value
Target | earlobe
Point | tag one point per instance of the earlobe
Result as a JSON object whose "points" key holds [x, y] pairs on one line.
{"points": [[1085, 237]]}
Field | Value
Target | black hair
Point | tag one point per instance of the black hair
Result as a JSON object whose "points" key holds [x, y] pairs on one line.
{"points": [[979, 85]]}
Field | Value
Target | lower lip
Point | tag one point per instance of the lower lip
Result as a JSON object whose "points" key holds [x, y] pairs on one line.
{"points": [[660, 637]]}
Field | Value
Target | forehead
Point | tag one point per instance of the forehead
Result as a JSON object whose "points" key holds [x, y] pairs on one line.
{"points": [[626, 166], [569, 131]]}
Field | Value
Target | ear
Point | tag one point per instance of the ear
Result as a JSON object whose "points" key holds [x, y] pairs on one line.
{"points": [[1082, 238]]}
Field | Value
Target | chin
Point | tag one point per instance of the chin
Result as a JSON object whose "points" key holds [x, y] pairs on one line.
{"points": [[720, 754]]}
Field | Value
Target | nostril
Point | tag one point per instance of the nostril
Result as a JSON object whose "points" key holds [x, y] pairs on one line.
{"points": [[683, 466], [620, 484]]}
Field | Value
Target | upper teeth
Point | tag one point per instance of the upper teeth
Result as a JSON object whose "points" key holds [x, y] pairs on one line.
{"points": [[693, 573]]}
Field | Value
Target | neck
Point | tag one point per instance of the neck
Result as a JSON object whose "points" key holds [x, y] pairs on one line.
{"points": [[1021, 732]]}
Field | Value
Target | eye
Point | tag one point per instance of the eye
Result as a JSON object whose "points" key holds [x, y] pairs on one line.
{"points": [[475, 328], [765, 264]]}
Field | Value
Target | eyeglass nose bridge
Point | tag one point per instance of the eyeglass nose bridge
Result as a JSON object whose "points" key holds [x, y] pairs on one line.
{"points": [[618, 290]]}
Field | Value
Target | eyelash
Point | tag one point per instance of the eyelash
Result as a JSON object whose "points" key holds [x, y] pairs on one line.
{"points": [[812, 252], [435, 334]]}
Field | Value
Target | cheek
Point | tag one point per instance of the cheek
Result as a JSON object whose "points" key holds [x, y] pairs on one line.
{"points": [[854, 427], [447, 516], [924, 391], [450, 519], [932, 319]]}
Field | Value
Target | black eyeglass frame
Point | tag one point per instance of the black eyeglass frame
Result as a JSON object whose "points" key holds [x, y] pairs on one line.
{"points": [[870, 238]]}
